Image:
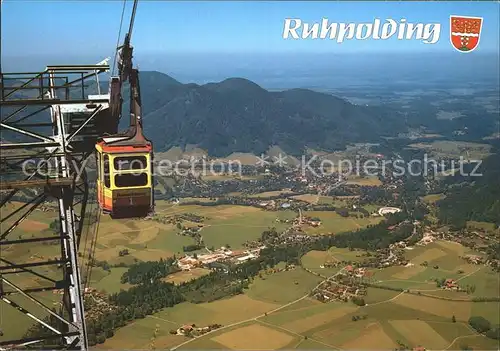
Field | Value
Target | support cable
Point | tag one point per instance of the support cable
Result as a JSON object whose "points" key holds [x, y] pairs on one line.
{"points": [[92, 250], [118, 39], [87, 256], [132, 19]]}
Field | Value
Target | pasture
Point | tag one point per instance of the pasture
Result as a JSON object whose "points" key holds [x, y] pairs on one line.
{"points": [[454, 149], [314, 260], [410, 319], [237, 224], [486, 226], [426, 334], [364, 181], [282, 287], [370, 335], [253, 337], [138, 333], [433, 198], [333, 223], [185, 276], [267, 194], [109, 281], [151, 240], [310, 198]]}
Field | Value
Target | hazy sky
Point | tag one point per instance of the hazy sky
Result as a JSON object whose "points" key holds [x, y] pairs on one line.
{"points": [[91, 27]]}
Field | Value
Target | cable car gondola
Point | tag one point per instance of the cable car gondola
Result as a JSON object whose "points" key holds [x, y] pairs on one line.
{"points": [[124, 161]]}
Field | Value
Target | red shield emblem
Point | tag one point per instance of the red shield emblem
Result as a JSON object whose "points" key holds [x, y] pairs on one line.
{"points": [[465, 32]]}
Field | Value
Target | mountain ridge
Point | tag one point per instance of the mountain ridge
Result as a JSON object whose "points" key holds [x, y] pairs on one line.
{"points": [[237, 115]]}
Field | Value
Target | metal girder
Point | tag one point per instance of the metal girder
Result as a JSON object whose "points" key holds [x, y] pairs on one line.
{"points": [[21, 184], [17, 102], [64, 191]]}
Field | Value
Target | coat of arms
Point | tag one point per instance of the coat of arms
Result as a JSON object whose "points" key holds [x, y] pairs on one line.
{"points": [[465, 32]]}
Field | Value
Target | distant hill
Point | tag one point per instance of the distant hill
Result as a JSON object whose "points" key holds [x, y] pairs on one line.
{"points": [[237, 115]]}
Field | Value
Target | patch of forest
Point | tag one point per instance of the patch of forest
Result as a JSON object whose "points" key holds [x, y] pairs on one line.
{"points": [[473, 198]]}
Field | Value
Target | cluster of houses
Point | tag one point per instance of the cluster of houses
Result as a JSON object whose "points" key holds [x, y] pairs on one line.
{"points": [[97, 304], [360, 272], [343, 291], [191, 217], [273, 205], [192, 331], [347, 284], [450, 284], [394, 256], [473, 259], [313, 222], [223, 254], [334, 292]]}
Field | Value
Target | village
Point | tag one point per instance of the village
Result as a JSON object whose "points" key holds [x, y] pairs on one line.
{"points": [[344, 286]]}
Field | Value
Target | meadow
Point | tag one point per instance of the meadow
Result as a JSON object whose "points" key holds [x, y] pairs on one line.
{"points": [[364, 181], [315, 261], [333, 223], [454, 149]]}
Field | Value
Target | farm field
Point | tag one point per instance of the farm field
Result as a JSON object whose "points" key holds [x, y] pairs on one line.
{"points": [[282, 287], [313, 260], [151, 240], [364, 181], [185, 276], [489, 227], [254, 337], [235, 226], [226, 311], [447, 148], [109, 281], [331, 222], [345, 201], [310, 198], [432, 198], [272, 193], [393, 319]]}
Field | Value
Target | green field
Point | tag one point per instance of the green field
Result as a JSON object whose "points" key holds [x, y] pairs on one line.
{"points": [[364, 181], [489, 227], [110, 282], [331, 326], [455, 149], [226, 311], [282, 287], [272, 193], [313, 260], [238, 228], [432, 198], [333, 223]]}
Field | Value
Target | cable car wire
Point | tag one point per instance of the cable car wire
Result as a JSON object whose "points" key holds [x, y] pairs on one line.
{"points": [[132, 19], [118, 39]]}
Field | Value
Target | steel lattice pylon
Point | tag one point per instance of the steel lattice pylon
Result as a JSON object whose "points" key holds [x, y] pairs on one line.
{"points": [[49, 126]]}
